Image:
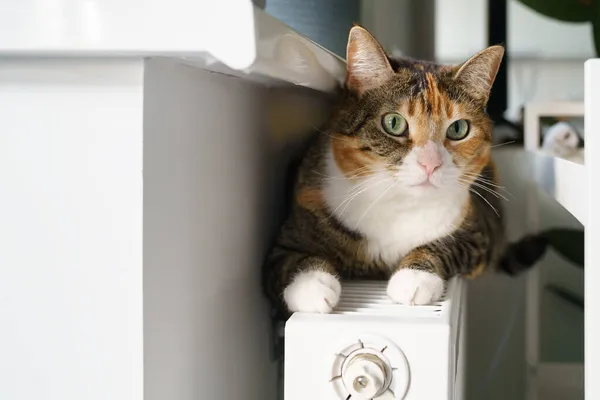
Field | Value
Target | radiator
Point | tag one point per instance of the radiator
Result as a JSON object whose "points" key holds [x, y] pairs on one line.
{"points": [[372, 349]]}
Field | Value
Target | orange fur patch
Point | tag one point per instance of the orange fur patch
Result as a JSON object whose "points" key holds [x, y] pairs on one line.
{"points": [[432, 94], [310, 198], [417, 256], [426, 126], [476, 272], [418, 122], [349, 158], [448, 108]]}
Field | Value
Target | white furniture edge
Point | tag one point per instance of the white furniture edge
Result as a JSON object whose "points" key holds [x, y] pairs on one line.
{"points": [[260, 48], [592, 233], [533, 111], [569, 178]]}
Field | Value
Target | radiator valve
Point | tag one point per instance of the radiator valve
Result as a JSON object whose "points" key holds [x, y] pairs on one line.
{"points": [[366, 375]]}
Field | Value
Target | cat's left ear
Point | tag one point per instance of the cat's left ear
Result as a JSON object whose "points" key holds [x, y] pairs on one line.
{"points": [[479, 72]]}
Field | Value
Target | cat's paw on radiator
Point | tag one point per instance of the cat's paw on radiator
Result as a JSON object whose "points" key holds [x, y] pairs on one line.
{"points": [[415, 287], [313, 292]]}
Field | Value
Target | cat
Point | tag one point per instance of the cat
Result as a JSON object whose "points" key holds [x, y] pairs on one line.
{"points": [[399, 185], [561, 139]]}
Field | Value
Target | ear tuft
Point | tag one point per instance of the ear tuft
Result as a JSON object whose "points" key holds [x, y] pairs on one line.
{"points": [[368, 65], [479, 72]]}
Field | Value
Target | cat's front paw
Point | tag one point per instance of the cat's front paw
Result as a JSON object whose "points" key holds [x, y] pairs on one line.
{"points": [[415, 287], [313, 292]]}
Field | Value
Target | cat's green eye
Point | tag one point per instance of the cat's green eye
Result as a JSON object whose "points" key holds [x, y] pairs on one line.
{"points": [[394, 124], [458, 130]]}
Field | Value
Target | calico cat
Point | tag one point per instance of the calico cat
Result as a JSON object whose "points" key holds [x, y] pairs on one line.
{"points": [[399, 185]]}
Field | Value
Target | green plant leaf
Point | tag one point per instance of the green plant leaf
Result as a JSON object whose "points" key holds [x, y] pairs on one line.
{"points": [[569, 243], [595, 20], [596, 29], [563, 10]]}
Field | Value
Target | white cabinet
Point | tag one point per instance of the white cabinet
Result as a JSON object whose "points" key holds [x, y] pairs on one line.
{"points": [[141, 154]]}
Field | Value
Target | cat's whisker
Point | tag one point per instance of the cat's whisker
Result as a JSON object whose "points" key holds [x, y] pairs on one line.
{"points": [[499, 188], [349, 200], [489, 190], [330, 135], [375, 201], [364, 167], [351, 197], [486, 200], [502, 144], [483, 198], [357, 175], [478, 176], [487, 182], [467, 183], [357, 188], [363, 184]]}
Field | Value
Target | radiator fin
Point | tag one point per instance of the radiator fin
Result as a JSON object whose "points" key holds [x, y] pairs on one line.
{"points": [[370, 298]]}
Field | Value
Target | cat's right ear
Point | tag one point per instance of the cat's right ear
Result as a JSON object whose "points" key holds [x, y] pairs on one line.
{"points": [[368, 65]]}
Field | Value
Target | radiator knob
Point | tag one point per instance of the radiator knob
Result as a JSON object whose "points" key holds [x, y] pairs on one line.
{"points": [[365, 376]]}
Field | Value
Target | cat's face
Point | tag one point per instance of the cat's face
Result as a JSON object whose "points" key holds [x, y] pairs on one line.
{"points": [[421, 124]]}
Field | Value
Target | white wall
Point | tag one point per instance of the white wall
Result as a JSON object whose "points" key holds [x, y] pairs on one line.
{"points": [[71, 229], [215, 158], [460, 29], [206, 324], [546, 56]]}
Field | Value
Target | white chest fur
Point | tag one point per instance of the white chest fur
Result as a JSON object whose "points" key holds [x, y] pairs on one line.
{"points": [[394, 219]]}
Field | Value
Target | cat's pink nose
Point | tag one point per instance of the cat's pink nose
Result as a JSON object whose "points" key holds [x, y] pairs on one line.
{"points": [[430, 168], [429, 158]]}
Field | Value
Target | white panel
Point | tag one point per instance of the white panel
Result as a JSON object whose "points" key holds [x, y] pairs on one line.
{"points": [[71, 230], [208, 216], [460, 29], [592, 233], [146, 27]]}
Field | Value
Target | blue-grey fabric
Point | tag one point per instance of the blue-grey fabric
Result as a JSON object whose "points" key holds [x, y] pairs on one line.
{"points": [[327, 22]]}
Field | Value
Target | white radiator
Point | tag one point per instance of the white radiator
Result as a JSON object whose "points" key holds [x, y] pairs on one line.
{"points": [[371, 348]]}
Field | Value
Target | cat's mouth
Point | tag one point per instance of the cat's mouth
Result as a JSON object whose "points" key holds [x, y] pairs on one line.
{"points": [[425, 184]]}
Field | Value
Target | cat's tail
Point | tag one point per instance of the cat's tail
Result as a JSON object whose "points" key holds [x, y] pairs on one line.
{"points": [[523, 254]]}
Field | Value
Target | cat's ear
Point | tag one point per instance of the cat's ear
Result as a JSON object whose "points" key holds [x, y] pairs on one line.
{"points": [[368, 65], [479, 72]]}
